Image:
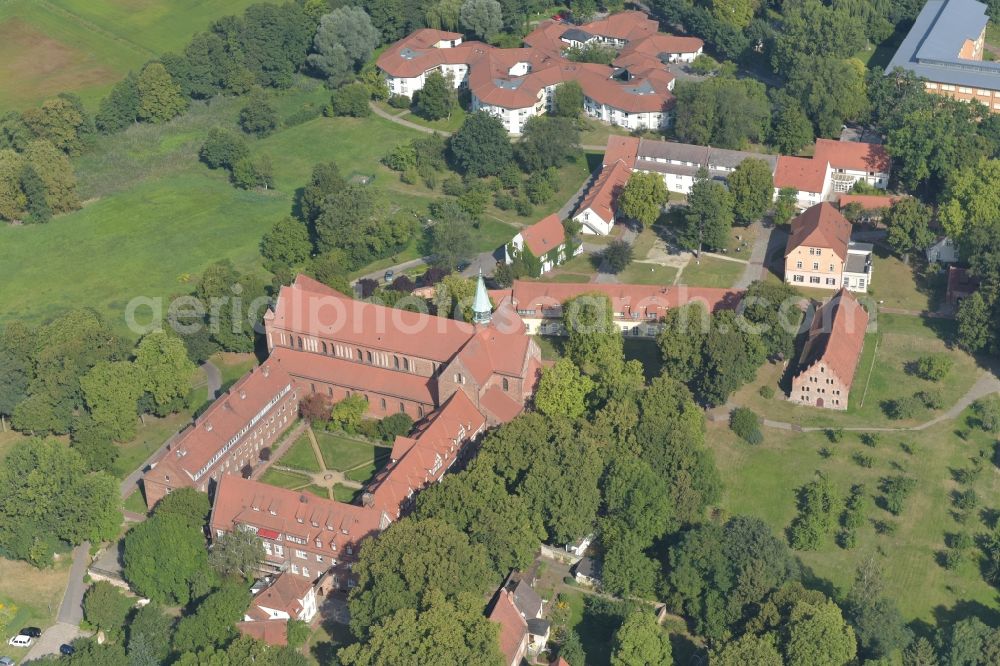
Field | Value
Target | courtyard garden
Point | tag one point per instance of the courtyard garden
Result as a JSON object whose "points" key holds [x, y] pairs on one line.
{"points": [[331, 465]]}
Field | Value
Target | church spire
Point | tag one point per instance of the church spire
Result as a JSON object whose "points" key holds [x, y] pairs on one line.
{"points": [[482, 309]]}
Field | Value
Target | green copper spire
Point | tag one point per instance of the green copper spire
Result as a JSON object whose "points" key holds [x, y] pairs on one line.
{"points": [[482, 309]]}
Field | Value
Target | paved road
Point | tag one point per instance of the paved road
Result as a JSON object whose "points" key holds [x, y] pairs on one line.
{"points": [[405, 123], [397, 268], [764, 245], [131, 482], [570, 206]]}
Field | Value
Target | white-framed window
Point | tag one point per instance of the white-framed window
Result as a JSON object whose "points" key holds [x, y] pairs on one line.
{"points": [[295, 568], [301, 554], [798, 278], [814, 279]]}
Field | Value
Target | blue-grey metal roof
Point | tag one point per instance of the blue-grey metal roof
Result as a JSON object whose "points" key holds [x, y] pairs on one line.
{"points": [[576, 35], [932, 46]]}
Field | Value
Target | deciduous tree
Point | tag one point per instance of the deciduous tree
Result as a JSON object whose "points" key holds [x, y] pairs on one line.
{"points": [[437, 99], [752, 187], [237, 554], [164, 370], [643, 197], [819, 636], [111, 390], [546, 142], [482, 18], [562, 390], [410, 559], [567, 101], [481, 146], [641, 642], [344, 40], [160, 97], [709, 215], [105, 607], [351, 100], [121, 107]]}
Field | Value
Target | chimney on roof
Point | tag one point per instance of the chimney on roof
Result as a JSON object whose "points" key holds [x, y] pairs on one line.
{"points": [[243, 394], [208, 427], [266, 371], [367, 499]]}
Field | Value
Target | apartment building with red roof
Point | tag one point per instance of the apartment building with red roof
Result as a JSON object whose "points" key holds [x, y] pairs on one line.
{"points": [[637, 310], [830, 356], [288, 597], [821, 254], [832, 171], [519, 83], [546, 241]]}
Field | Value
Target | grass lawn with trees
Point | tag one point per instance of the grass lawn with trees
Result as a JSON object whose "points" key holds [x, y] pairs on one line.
{"points": [[644, 273], [902, 339], [912, 287], [762, 480]]}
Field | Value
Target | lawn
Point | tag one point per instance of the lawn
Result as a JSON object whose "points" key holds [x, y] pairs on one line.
{"points": [[233, 366], [902, 339], [135, 503], [762, 481], [300, 455], [912, 287], [343, 453], [283, 479], [85, 46], [449, 124], [712, 273], [36, 593], [643, 273], [342, 493]]}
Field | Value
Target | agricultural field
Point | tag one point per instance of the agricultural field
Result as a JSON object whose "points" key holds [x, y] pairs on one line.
{"points": [[85, 46]]}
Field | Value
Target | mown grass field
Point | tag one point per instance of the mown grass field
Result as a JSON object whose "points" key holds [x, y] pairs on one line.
{"points": [[36, 593], [763, 481], [85, 46], [711, 272]]}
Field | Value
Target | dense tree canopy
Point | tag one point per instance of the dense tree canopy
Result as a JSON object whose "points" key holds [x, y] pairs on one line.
{"points": [[643, 197], [413, 557], [344, 40], [481, 146], [51, 499]]}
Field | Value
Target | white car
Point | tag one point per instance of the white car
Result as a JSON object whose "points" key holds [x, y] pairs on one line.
{"points": [[21, 641]]}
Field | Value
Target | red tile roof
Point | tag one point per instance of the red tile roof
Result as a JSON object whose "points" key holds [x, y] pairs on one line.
{"points": [[424, 458], [823, 226], [215, 427], [303, 515], [272, 632], [545, 235], [655, 44], [285, 594], [627, 300], [624, 148], [630, 25], [869, 157], [802, 173], [356, 376], [513, 627], [500, 404], [311, 308], [603, 195], [868, 201], [836, 336]]}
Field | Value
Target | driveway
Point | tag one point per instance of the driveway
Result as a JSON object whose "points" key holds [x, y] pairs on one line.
{"points": [[52, 638], [71, 608]]}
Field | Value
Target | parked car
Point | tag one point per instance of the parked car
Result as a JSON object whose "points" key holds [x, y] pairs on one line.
{"points": [[6, 661], [388, 276], [34, 632], [66, 649], [21, 641]]}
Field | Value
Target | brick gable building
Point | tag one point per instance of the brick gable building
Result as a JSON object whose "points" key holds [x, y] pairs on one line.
{"points": [[831, 353]]}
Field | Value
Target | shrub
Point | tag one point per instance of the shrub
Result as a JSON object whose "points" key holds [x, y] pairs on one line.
{"points": [[401, 158], [504, 201], [258, 117], [865, 461], [305, 114], [902, 408], [966, 500], [987, 411], [952, 558], [895, 490], [930, 399], [524, 207], [223, 148], [871, 439], [847, 539], [766, 392], [393, 426], [746, 424], [835, 435], [933, 367], [453, 186], [350, 100], [399, 102]]}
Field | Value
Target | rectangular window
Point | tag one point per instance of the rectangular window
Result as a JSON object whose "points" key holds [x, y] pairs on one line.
{"points": [[798, 278], [815, 265], [798, 264], [814, 279], [301, 554], [831, 280]]}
